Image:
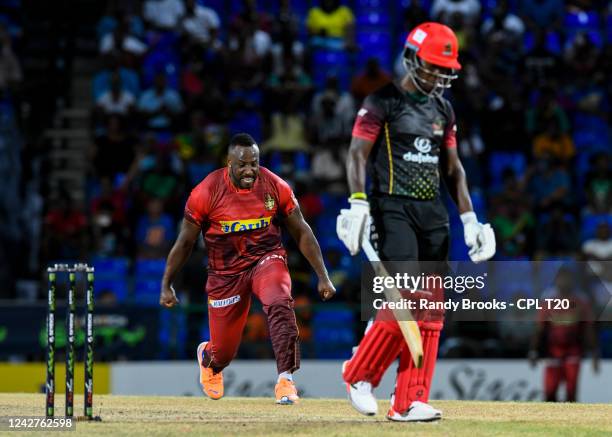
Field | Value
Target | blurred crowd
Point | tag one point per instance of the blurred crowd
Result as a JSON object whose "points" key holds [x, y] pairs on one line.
{"points": [[178, 77]]}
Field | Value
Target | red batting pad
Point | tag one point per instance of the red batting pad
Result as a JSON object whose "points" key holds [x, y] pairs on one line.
{"points": [[413, 384], [380, 346]]}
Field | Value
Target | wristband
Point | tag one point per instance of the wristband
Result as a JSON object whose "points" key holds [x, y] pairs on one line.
{"points": [[359, 195]]}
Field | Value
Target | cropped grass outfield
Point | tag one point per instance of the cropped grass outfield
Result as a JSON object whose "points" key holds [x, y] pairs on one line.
{"points": [[167, 416]]}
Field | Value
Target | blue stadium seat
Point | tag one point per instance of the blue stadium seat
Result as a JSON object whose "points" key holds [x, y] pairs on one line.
{"points": [[129, 81], [333, 332], [374, 21], [553, 42], [146, 292], [590, 223], [331, 242], [161, 61], [111, 274], [330, 58], [379, 5], [582, 20], [111, 266], [253, 96], [152, 267], [591, 133], [166, 41], [117, 286], [374, 45], [331, 63], [373, 40], [247, 121], [499, 161]]}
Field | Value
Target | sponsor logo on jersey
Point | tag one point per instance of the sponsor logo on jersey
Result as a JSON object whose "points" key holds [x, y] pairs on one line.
{"points": [[268, 202], [423, 146], [229, 226], [224, 302]]}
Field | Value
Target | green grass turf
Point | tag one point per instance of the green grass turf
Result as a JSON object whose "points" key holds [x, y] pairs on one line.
{"points": [[166, 416]]}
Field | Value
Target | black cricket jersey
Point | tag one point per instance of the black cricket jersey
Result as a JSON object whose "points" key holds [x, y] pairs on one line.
{"points": [[408, 135]]}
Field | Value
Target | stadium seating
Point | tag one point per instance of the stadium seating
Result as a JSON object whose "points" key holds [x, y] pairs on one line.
{"points": [[374, 45], [499, 161], [112, 275], [553, 42], [590, 223], [373, 21], [332, 63], [333, 333], [247, 121], [161, 60]]}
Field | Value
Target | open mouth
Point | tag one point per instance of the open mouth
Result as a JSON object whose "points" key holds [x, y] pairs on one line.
{"points": [[248, 180]]}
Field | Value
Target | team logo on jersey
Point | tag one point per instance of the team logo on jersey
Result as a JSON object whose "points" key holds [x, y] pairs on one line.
{"points": [[438, 128], [224, 302], [423, 146], [268, 202], [229, 226]]}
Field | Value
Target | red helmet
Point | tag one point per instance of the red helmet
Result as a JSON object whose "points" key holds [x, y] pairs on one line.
{"points": [[435, 44]]}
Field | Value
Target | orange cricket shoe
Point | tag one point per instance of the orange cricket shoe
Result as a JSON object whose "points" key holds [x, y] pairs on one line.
{"points": [[286, 393], [212, 383]]}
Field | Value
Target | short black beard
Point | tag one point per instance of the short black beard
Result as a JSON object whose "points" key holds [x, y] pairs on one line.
{"points": [[236, 180]]}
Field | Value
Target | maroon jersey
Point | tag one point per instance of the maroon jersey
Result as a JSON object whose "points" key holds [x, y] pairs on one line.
{"points": [[565, 328], [239, 226]]}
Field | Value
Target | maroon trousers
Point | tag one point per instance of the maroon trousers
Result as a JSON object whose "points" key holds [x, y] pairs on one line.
{"points": [[229, 300]]}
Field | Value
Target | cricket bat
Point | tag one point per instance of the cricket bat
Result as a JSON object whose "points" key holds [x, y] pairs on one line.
{"points": [[408, 326]]}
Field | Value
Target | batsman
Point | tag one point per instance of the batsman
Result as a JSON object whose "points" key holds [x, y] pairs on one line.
{"points": [[405, 132]]}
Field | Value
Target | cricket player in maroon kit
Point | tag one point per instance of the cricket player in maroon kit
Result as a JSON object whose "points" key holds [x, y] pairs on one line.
{"points": [[240, 209], [564, 332], [406, 134]]}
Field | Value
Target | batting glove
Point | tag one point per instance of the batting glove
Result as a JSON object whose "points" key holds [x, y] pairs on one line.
{"points": [[351, 224], [479, 238]]}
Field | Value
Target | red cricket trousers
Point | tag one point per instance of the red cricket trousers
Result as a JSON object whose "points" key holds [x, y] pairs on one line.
{"points": [[558, 370], [229, 300]]}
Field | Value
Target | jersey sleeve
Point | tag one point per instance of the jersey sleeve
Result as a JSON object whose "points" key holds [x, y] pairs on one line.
{"points": [[370, 118], [450, 131], [198, 204], [286, 199]]}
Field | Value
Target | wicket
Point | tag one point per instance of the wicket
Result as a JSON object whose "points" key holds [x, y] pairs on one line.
{"points": [[88, 359]]}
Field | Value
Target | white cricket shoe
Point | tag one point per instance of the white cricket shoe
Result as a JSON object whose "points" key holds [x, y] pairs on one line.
{"points": [[417, 412], [361, 397]]}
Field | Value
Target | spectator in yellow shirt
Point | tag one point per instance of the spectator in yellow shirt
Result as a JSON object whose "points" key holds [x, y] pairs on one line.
{"points": [[554, 142], [331, 20]]}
